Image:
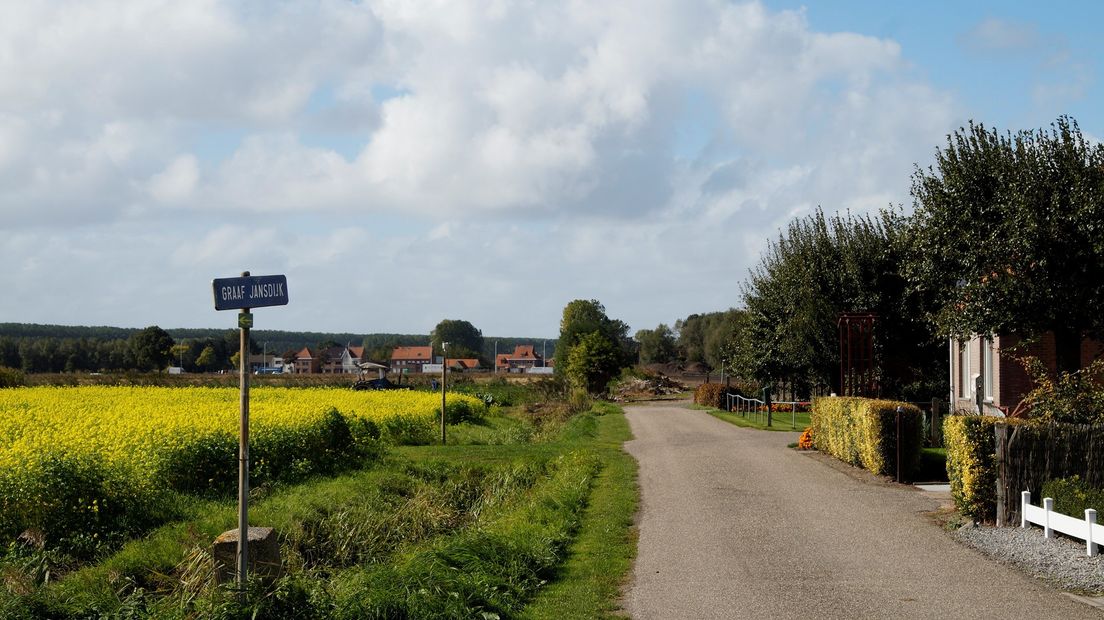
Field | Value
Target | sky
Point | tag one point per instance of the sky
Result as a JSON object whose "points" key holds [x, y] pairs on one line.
{"points": [[407, 161]]}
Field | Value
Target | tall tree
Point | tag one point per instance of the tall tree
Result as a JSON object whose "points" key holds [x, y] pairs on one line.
{"points": [[593, 361], [822, 267], [656, 345], [152, 348], [1008, 235], [206, 360], [710, 337], [463, 338], [582, 319]]}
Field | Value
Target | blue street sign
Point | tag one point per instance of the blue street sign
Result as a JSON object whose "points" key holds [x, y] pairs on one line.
{"points": [[250, 292]]}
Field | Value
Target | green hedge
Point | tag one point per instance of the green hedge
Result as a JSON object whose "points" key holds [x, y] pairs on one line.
{"points": [[863, 432], [971, 463], [1072, 496]]}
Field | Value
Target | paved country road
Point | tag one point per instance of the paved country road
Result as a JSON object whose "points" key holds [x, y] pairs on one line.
{"points": [[735, 525]]}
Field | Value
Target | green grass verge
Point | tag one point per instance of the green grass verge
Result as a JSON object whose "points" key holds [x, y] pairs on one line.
{"points": [[781, 421], [601, 556]]}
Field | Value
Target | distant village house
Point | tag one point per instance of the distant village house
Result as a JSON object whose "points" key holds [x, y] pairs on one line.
{"points": [[411, 359], [522, 359]]}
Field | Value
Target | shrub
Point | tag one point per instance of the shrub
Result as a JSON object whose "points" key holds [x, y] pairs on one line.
{"points": [[835, 428], [11, 377], [971, 465], [1072, 496], [711, 395], [1074, 397], [579, 400], [465, 410], [863, 432]]}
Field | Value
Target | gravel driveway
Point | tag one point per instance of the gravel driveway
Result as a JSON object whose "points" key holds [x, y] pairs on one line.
{"points": [[735, 525]]}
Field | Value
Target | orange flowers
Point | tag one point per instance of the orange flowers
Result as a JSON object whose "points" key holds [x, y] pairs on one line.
{"points": [[805, 442]]}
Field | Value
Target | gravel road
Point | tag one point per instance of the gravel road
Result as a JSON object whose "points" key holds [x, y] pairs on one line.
{"points": [[735, 525]]}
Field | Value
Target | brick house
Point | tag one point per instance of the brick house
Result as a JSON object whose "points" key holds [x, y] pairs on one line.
{"points": [[332, 360], [523, 358], [1004, 382], [307, 362], [411, 359], [463, 363]]}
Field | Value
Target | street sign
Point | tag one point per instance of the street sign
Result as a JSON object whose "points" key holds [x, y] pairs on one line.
{"points": [[243, 294], [250, 292]]}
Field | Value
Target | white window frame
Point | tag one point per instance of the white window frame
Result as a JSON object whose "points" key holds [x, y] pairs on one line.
{"points": [[987, 374], [964, 369]]}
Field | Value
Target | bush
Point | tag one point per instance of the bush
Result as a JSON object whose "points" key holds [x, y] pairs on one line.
{"points": [[712, 395], [11, 377], [863, 432], [465, 410], [1075, 397], [805, 442], [971, 465], [1072, 496], [79, 504]]}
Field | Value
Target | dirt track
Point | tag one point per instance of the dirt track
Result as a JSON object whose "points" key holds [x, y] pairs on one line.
{"points": [[735, 525]]}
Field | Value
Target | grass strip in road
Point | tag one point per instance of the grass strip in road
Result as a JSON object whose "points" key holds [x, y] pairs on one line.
{"points": [[588, 584], [781, 419]]}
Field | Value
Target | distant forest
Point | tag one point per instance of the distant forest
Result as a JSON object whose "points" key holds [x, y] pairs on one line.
{"points": [[66, 348]]}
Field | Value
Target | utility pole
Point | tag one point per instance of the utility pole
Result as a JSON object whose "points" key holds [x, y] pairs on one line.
{"points": [[444, 384]]}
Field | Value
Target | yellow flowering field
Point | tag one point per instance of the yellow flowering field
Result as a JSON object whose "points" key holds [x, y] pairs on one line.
{"points": [[74, 457]]}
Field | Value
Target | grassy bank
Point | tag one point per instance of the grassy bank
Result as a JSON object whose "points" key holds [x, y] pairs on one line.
{"points": [[780, 420], [511, 519]]}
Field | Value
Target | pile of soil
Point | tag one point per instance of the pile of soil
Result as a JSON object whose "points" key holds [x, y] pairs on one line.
{"points": [[646, 389]]}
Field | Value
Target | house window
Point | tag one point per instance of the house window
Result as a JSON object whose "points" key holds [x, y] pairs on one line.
{"points": [[963, 370], [987, 366]]}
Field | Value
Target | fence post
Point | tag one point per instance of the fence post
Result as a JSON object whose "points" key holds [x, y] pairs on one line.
{"points": [[897, 440], [1048, 506], [1090, 521], [1025, 499], [936, 429], [1000, 439]]}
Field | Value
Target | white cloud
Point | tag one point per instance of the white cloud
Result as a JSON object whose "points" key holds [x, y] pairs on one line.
{"points": [[545, 134], [995, 34], [177, 181]]}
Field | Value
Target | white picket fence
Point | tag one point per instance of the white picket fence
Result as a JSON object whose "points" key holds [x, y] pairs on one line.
{"points": [[1086, 529]]}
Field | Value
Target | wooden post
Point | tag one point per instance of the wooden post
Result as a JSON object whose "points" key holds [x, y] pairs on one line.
{"points": [[936, 428], [1000, 443], [898, 441], [245, 321]]}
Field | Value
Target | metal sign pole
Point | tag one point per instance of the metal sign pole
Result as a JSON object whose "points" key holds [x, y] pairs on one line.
{"points": [[243, 294], [245, 321]]}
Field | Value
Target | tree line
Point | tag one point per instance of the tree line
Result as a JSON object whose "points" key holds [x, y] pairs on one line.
{"points": [[35, 348], [1004, 238]]}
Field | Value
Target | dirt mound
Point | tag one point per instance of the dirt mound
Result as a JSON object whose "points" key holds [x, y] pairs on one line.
{"points": [[696, 368], [647, 388]]}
